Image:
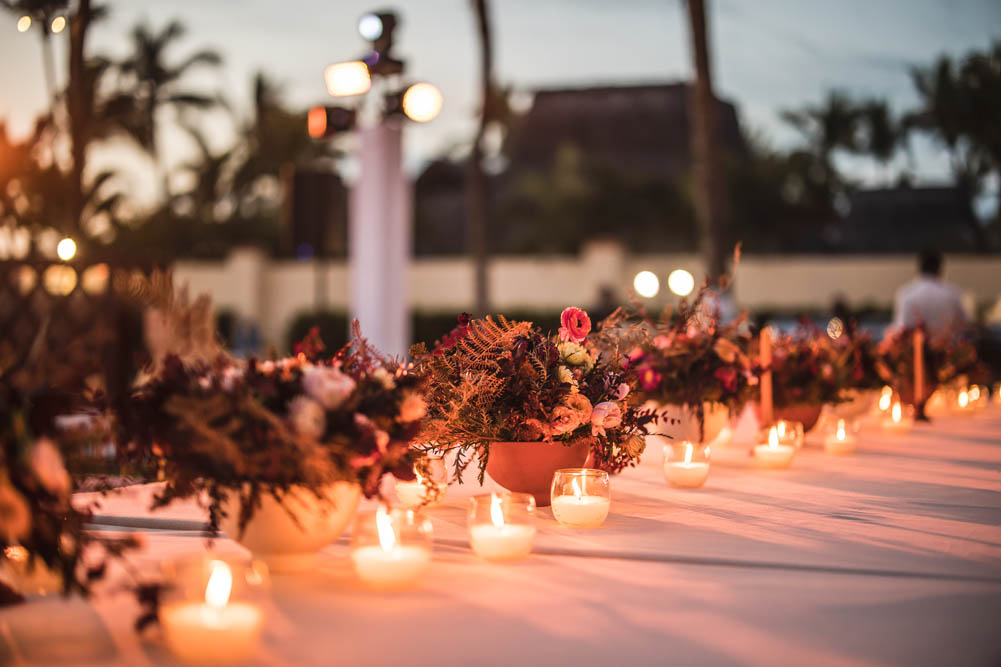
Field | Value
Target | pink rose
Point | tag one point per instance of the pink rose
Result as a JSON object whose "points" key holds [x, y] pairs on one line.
{"points": [[307, 417], [576, 325], [412, 408], [327, 385], [605, 415], [661, 342], [622, 391], [568, 418]]}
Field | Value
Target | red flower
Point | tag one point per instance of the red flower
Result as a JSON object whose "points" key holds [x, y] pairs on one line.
{"points": [[649, 378], [576, 325], [728, 376]]}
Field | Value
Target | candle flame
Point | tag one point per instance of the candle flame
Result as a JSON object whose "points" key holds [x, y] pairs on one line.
{"points": [[688, 452], [895, 414], [220, 585], [964, 399], [773, 438], [782, 428], [884, 399], [840, 435], [384, 524], [496, 514], [974, 393], [576, 488]]}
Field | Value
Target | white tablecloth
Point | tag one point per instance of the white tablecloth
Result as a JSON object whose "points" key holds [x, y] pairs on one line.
{"points": [[890, 556]]}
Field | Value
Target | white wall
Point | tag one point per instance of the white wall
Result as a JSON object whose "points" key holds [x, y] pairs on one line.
{"points": [[273, 292]]}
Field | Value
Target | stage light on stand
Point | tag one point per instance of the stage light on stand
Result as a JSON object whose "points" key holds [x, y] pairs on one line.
{"points": [[422, 102], [24, 23], [346, 79], [324, 122], [57, 25]]}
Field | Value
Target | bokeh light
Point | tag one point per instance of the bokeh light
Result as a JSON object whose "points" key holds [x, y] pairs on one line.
{"points": [[57, 25], [346, 79], [835, 328], [66, 249], [646, 284], [24, 23], [370, 27], [59, 279], [316, 122], [422, 102], [681, 282]]}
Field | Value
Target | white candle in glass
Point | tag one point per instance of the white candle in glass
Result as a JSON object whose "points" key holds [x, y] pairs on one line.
{"points": [[686, 474], [898, 422], [579, 510], [499, 540], [772, 454], [964, 405], [885, 399], [840, 441], [389, 564], [216, 630]]}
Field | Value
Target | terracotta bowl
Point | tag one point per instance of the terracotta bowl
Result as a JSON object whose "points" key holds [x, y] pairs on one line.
{"points": [[528, 467], [808, 415]]}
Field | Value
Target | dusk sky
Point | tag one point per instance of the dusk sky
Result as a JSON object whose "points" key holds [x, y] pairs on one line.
{"points": [[769, 54]]}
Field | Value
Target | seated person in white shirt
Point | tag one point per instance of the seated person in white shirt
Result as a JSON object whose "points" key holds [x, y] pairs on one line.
{"points": [[930, 301]]}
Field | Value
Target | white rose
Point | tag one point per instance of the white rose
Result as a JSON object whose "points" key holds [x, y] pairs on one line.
{"points": [[307, 417], [327, 385], [385, 377]]}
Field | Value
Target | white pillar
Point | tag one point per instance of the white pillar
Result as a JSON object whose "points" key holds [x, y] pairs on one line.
{"points": [[379, 240]]}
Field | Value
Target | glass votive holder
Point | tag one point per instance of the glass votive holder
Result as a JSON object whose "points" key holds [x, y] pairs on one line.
{"points": [[430, 486], [996, 393], [391, 549], [790, 433], [900, 418], [840, 437], [27, 575], [502, 525], [212, 610], [964, 403], [772, 453], [686, 465], [580, 497]]}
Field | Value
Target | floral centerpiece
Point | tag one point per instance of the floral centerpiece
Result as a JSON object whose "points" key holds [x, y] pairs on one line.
{"points": [[689, 360], [293, 439], [944, 361], [44, 546], [491, 383], [808, 372]]}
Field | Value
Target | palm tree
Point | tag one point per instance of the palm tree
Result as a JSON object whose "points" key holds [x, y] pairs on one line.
{"points": [[960, 106], [710, 198], [476, 185], [152, 84]]}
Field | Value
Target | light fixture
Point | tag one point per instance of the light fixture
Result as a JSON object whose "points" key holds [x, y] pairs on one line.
{"points": [[370, 27], [66, 249], [422, 102], [346, 79], [57, 25], [24, 23], [646, 284], [681, 282], [323, 122]]}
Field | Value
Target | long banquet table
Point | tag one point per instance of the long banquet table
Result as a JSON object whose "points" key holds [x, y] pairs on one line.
{"points": [[890, 556]]}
